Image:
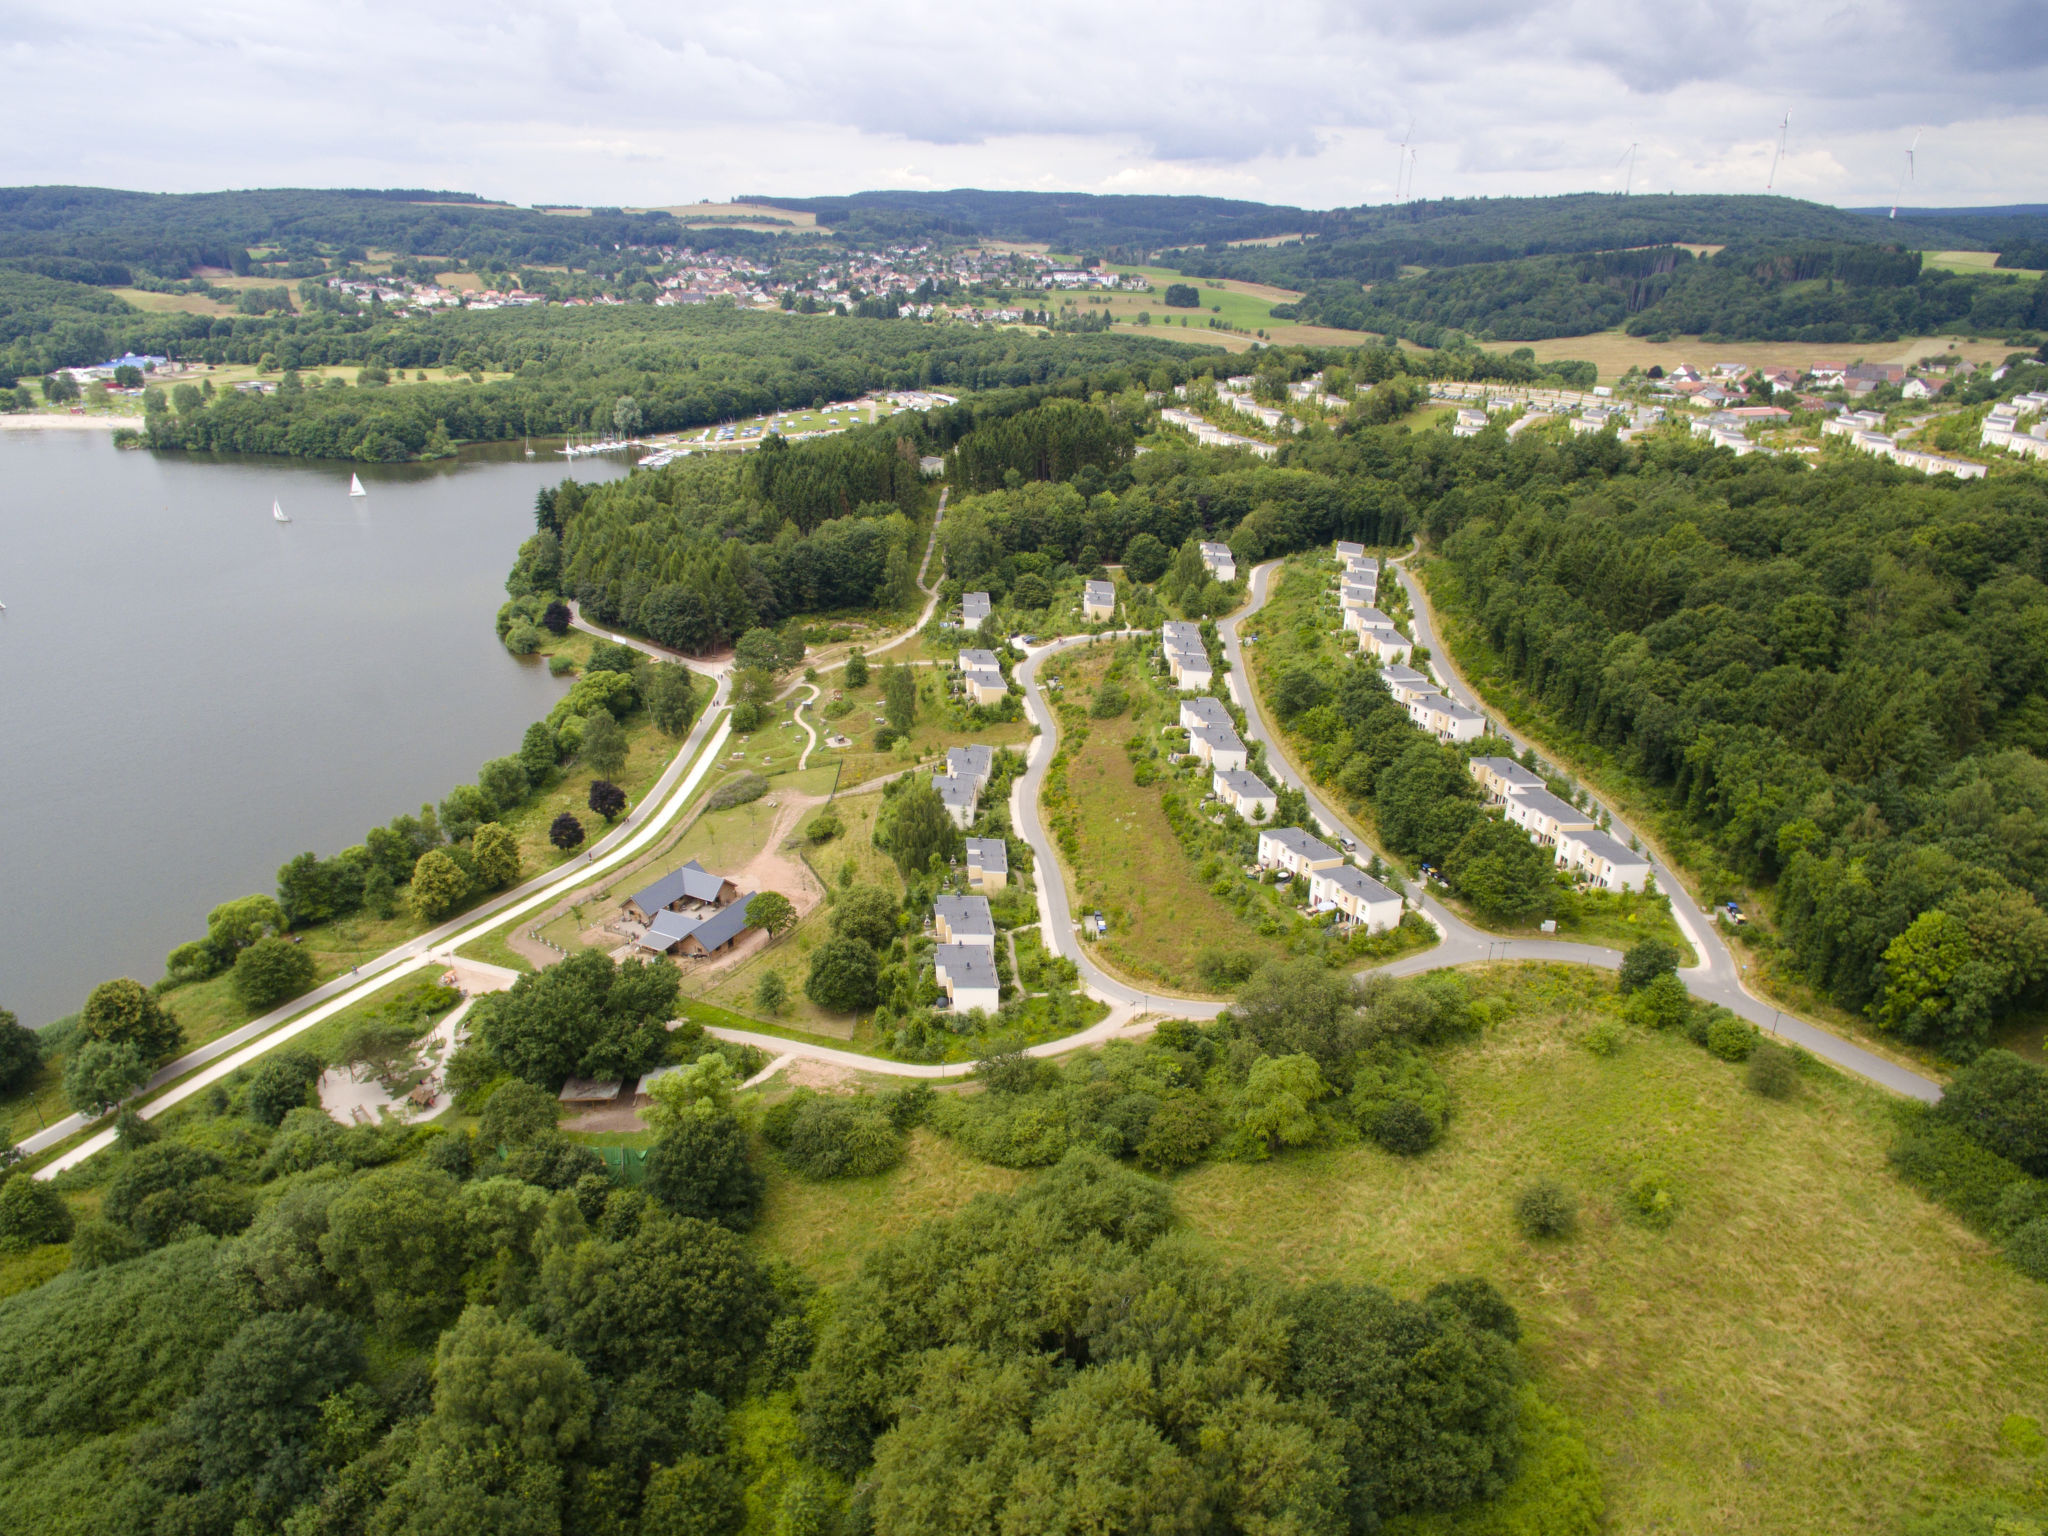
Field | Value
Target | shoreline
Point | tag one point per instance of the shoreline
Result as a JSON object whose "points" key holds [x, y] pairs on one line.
{"points": [[37, 422]]}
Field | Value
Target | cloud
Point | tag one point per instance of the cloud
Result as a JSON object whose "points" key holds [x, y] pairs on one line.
{"points": [[626, 101]]}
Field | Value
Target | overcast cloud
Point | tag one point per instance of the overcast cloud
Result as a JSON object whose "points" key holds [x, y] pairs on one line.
{"points": [[1290, 101]]}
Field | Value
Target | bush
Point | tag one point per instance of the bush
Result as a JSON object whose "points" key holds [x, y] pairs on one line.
{"points": [[1546, 1209], [834, 1138], [280, 1082], [1606, 1037], [2026, 1249], [271, 970], [1773, 1071], [1651, 1200], [31, 1213], [736, 791], [1404, 1128], [1663, 1004], [1109, 702], [1730, 1038], [1946, 1165], [1646, 960], [700, 1168], [2001, 1101], [825, 826], [1182, 1128], [515, 1113], [1399, 1099]]}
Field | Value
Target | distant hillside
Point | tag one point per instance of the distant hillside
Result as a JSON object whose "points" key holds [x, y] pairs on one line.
{"points": [[173, 233]]}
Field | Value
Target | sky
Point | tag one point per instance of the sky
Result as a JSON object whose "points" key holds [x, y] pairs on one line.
{"points": [[1289, 101]]}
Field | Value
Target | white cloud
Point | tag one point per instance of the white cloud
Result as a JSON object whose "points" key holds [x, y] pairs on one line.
{"points": [[619, 101]]}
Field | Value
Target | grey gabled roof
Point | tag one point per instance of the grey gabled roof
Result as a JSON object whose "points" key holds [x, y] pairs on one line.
{"points": [[726, 924], [692, 882], [965, 914], [1396, 675], [966, 965], [980, 659], [1544, 803], [1099, 592], [989, 853], [1298, 842], [955, 790], [1220, 738], [975, 762], [1239, 782], [1507, 768], [1182, 630], [1356, 882], [1210, 712], [1612, 849], [667, 927], [974, 606]]}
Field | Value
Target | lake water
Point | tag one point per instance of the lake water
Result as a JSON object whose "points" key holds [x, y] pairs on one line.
{"points": [[192, 692]]}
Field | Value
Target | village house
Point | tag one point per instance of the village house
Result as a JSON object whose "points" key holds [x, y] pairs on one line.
{"points": [[1186, 657], [1388, 645], [1446, 719], [964, 920], [1364, 617], [1098, 601], [1245, 793], [1348, 553], [1543, 816], [1218, 746], [1405, 683], [1360, 899], [1222, 564], [988, 863], [700, 934], [959, 795], [1293, 850], [974, 610], [1204, 712], [981, 676], [975, 762], [1500, 777], [1354, 595], [688, 889], [967, 974], [1604, 861]]}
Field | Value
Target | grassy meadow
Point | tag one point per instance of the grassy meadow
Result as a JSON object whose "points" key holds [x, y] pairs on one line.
{"points": [[1809, 1346]]}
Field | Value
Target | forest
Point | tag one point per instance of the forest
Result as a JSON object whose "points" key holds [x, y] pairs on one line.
{"points": [[1814, 291], [680, 367], [271, 1321]]}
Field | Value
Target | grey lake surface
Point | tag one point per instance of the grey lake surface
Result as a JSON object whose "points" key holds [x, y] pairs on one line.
{"points": [[191, 692]]}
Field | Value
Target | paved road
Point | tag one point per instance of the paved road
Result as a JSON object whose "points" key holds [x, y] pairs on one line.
{"points": [[1716, 977], [218, 1057]]}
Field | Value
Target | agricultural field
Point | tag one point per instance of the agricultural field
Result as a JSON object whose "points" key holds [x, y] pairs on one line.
{"points": [[1972, 262], [1808, 1345], [1615, 352]]}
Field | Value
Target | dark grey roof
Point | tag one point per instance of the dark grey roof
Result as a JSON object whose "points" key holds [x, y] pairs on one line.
{"points": [[1612, 849], [975, 762], [1545, 803], [724, 925], [1507, 768], [1099, 592], [980, 659], [1298, 842], [966, 965], [1180, 629], [1219, 738], [989, 853], [1210, 712], [1356, 882], [692, 882], [974, 607], [667, 927], [1239, 782], [954, 790], [965, 914]]}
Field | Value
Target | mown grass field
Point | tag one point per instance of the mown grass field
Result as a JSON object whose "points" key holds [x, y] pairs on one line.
{"points": [[1615, 352], [929, 737], [1810, 1347]]}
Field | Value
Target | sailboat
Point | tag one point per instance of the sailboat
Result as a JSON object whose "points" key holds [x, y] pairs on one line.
{"points": [[355, 486], [277, 511]]}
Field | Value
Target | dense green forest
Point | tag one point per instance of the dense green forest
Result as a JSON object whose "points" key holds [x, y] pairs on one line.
{"points": [[680, 367], [271, 1321], [1817, 291], [172, 233]]}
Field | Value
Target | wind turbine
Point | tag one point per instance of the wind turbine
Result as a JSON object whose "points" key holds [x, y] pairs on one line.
{"points": [[1783, 128], [1905, 176], [1630, 156], [1401, 163]]}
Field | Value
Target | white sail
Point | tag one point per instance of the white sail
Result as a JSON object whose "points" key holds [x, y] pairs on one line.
{"points": [[355, 486], [277, 511]]}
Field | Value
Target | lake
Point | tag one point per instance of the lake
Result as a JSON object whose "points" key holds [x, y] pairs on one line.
{"points": [[192, 692]]}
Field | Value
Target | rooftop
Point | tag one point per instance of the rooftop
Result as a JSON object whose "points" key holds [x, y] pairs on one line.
{"points": [[974, 762], [955, 790], [1603, 846], [1210, 712], [966, 965], [1099, 592], [989, 853], [1239, 782], [1356, 882], [1298, 842], [1507, 768], [965, 914], [690, 883], [1544, 803], [980, 659]]}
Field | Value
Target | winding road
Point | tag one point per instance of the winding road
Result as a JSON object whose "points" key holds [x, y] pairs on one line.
{"points": [[1715, 976]]}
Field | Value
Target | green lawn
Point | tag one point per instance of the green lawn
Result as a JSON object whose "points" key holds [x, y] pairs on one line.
{"points": [[1810, 1347]]}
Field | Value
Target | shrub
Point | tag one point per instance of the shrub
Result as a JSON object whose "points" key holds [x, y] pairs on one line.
{"points": [[271, 970], [1182, 1128], [31, 1213], [1646, 960], [1605, 1037], [280, 1083], [1404, 1128], [1399, 1099], [514, 1114], [825, 826], [1945, 1164], [2026, 1249], [2019, 1204], [1109, 702], [834, 1138], [1773, 1071], [736, 791], [1662, 1004], [771, 993], [1546, 1209], [1730, 1038], [1651, 1200], [2001, 1101]]}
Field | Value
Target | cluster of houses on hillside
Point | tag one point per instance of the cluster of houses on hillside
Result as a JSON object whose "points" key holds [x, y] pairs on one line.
{"points": [[963, 963], [2002, 427], [1573, 835], [1212, 436], [981, 677], [1358, 593], [1866, 434], [1334, 884], [1187, 658]]}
